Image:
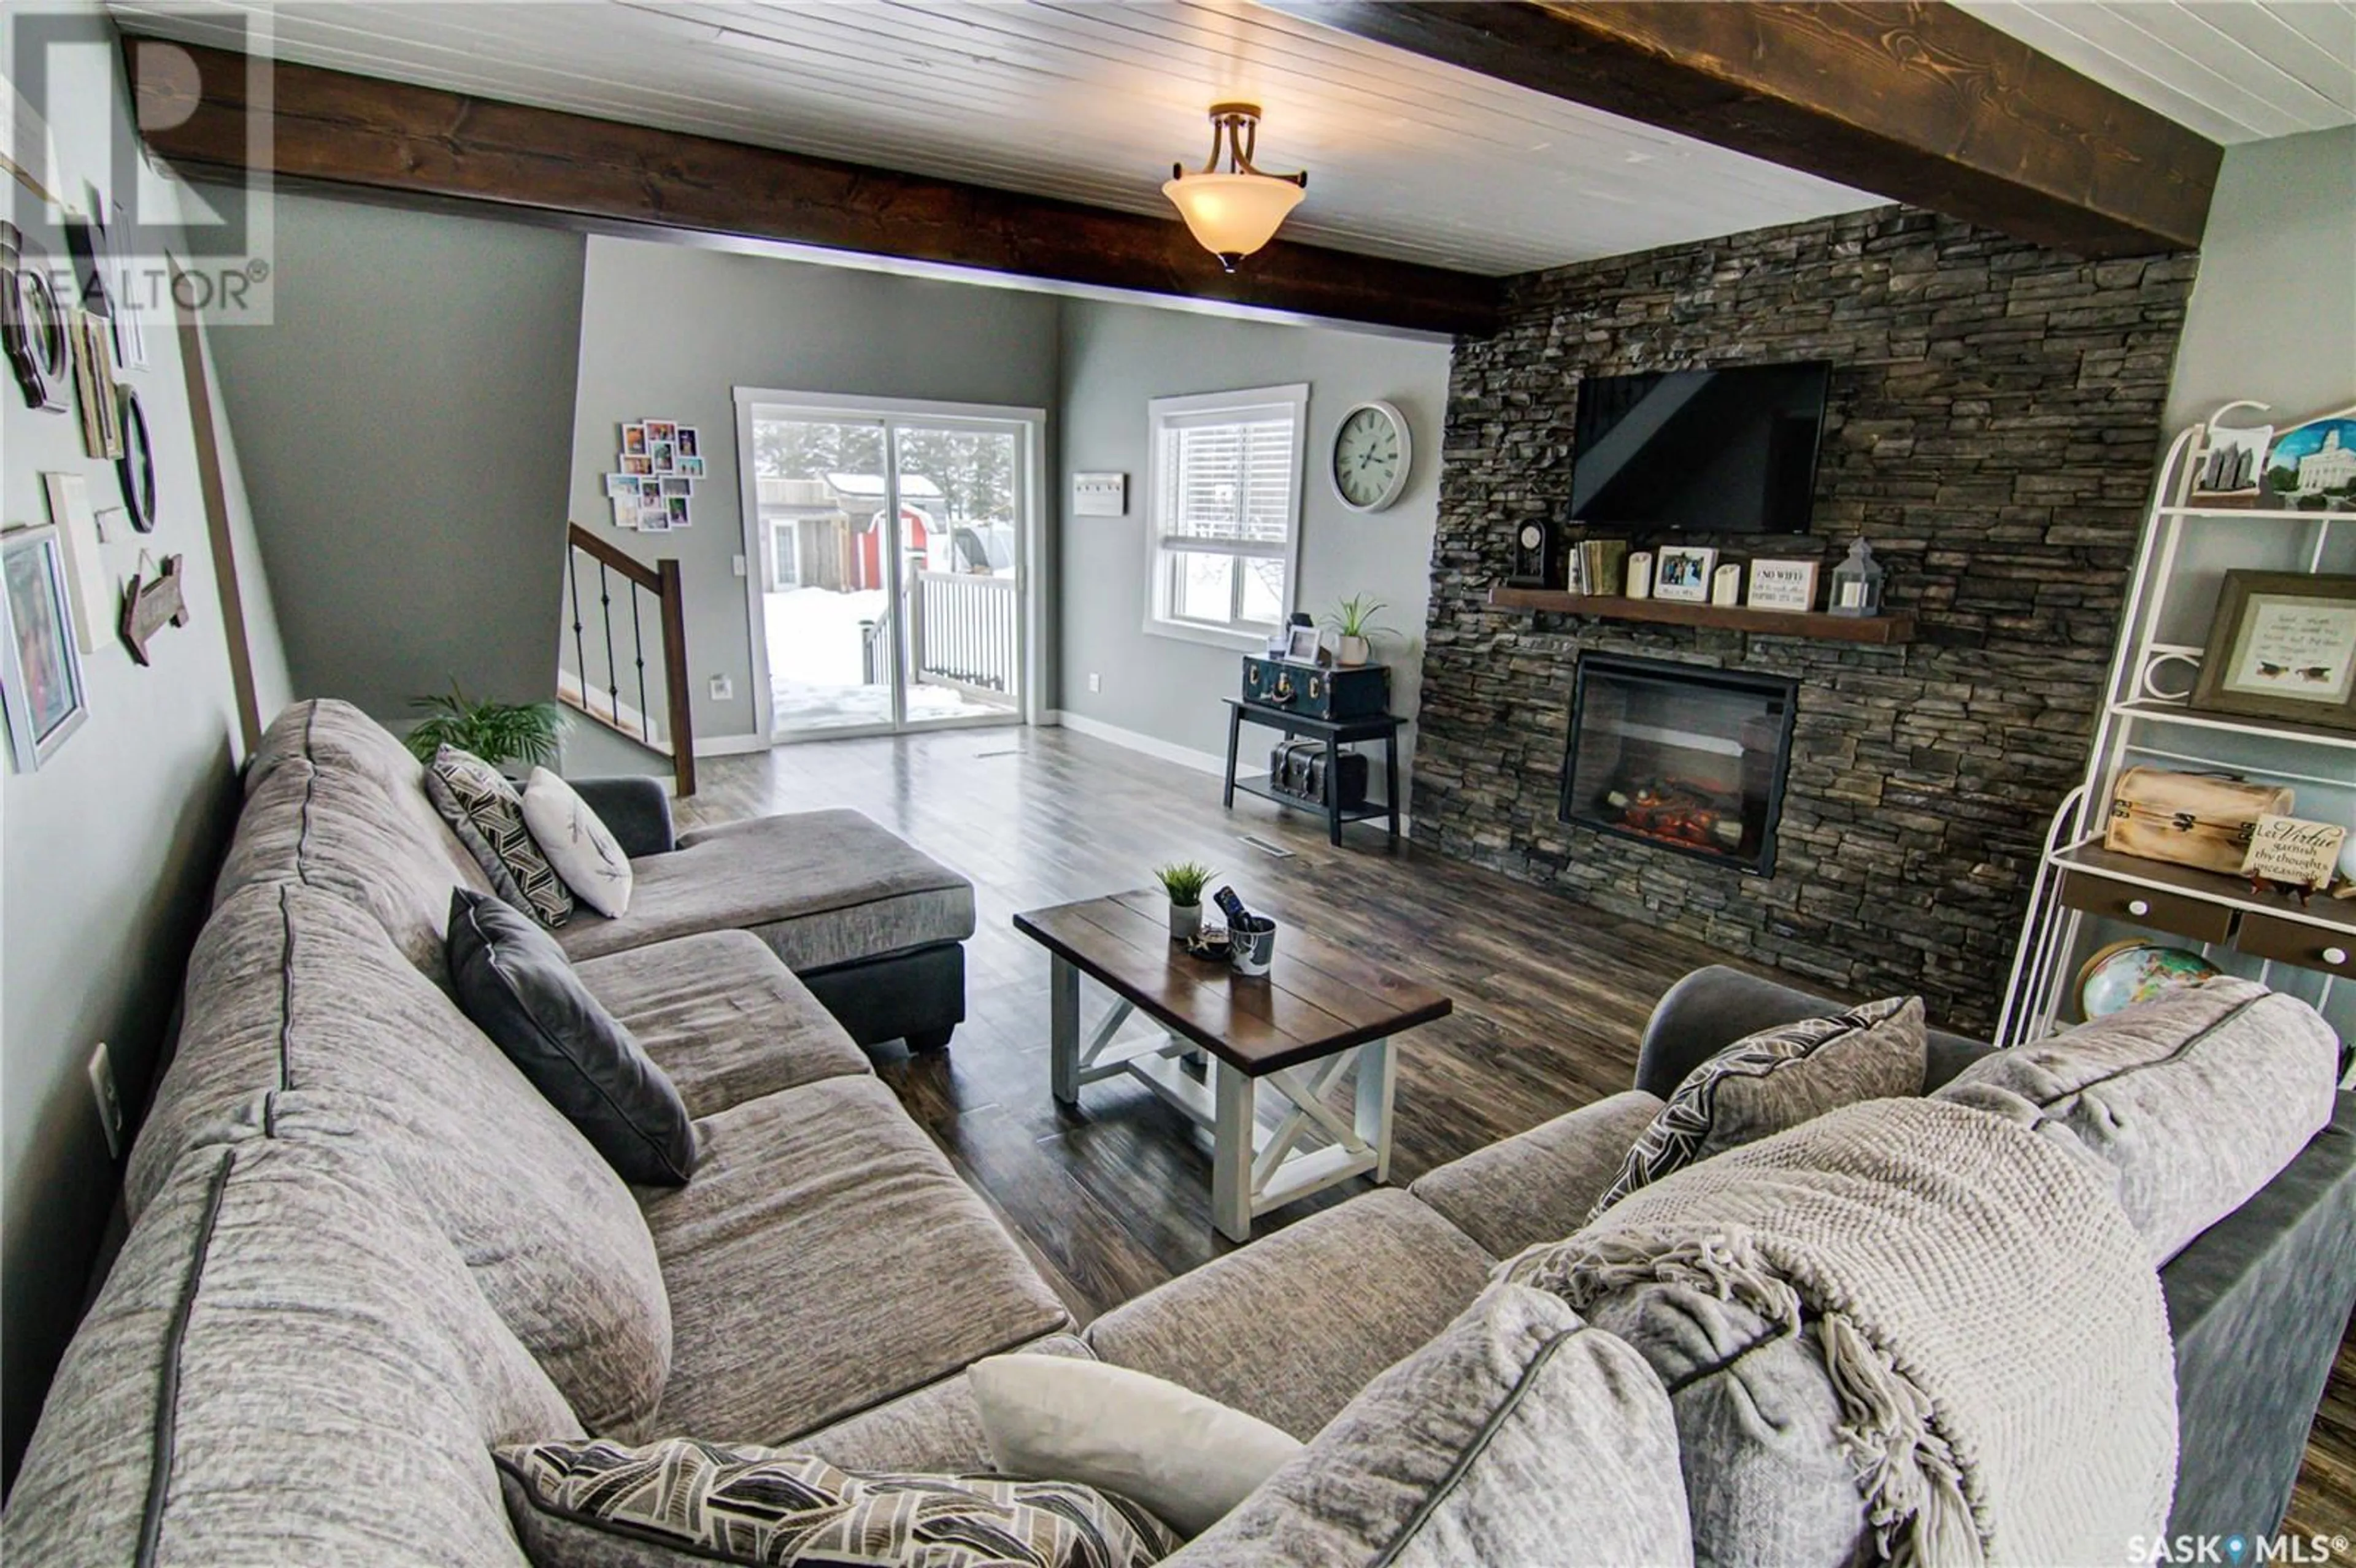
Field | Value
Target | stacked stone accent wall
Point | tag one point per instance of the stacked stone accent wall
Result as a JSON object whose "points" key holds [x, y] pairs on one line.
{"points": [[1993, 428]]}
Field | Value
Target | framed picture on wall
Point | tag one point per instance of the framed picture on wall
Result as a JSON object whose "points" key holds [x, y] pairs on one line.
{"points": [[40, 672], [2282, 646], [663, 430], [685, 442], [634, 441]]}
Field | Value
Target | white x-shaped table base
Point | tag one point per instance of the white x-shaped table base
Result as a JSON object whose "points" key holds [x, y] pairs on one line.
{"points": [[1253, 1169]]}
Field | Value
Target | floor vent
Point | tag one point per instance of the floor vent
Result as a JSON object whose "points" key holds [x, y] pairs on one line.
{"points": [[1009, 752], [1264, 846]]}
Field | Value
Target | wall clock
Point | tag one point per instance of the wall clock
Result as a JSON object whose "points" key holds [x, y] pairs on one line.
{"points": [[1372, 453]]}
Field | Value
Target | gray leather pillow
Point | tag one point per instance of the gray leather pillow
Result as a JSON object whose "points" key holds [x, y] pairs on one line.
{"points": [[2190, 1103], [1517, 1434], [1775, 1080], [517, 985]]}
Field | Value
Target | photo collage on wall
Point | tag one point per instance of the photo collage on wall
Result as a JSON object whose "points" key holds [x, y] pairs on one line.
{"points": [[661, 460]]}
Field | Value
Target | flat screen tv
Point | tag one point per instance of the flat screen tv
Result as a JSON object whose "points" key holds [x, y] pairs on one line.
{"points": [[1714, 452]]}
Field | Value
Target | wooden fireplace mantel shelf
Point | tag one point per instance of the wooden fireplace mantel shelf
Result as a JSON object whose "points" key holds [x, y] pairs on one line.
{"points": [[1765, 622]]}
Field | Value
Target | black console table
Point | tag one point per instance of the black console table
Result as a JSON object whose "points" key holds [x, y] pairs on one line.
{"points": [[1336, 734]]}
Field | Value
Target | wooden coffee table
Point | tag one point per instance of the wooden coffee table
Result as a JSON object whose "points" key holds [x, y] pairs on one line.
{"points": [[1319, 1009]]}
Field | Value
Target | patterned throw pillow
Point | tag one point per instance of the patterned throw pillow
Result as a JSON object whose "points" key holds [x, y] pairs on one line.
{"points": [[579, 846], [487, 814], [1774, 1081], [681, 1502]]}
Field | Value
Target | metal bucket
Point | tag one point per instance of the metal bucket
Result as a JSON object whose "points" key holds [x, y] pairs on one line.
{"points": [[1254, 946]]}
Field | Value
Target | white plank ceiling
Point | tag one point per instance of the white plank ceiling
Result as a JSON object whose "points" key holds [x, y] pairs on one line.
{"points": [[2234, 70], [1092, 100]]}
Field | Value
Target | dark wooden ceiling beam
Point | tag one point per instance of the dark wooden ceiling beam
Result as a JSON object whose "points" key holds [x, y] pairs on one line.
{"points": [[1910, 99], [339, 129]]}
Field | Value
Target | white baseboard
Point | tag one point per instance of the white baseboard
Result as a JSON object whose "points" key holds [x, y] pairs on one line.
{"points": [[1137, 740], [731, 745], [1166, 751]]}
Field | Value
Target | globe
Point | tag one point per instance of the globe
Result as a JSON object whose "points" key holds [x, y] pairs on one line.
{"points": [[2134, 971]]}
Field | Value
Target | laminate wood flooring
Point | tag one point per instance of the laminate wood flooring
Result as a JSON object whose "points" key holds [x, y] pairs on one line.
{"points": [[1113, 1198]]}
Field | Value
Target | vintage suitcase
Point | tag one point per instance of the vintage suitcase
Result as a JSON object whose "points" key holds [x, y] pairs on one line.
{"points": [[1317, 692], [2191, 819], [1298, 768]]}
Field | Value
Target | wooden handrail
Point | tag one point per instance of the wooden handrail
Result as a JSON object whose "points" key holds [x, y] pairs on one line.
{"points": [[620, 560]]}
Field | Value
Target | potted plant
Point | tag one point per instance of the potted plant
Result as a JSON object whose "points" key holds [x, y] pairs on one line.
{"points": [[499, 733], [1184, 881], [1354, 620]]}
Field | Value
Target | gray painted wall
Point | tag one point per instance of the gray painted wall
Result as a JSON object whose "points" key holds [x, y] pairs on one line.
{"points": [[669, 331], [1116, 358], [2273, 311], [405, 426], [109, 849]]}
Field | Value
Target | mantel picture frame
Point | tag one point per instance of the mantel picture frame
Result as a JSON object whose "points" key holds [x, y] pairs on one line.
{"points": [[2282, 646]]}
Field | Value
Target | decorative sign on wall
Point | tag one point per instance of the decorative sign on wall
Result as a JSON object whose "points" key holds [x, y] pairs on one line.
{"points": [[2292, 851], [150, 606], [1100, 495], [660, 462], [77, 524]]}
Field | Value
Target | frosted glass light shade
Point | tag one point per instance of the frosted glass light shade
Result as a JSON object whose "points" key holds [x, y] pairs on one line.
{"points": [[1232, 215]]}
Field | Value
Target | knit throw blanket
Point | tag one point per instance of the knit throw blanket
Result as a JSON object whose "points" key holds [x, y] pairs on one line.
{"points": [[1989, 1320]]}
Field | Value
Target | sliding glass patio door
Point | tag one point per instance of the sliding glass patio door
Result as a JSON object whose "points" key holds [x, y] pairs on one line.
{"points": [[889, 548]]}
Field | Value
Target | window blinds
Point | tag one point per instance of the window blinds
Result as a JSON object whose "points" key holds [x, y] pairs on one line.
{"points": [[1227, 482]]}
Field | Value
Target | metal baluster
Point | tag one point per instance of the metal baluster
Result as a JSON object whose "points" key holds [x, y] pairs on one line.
{"points": [[605, 608], [573, 592], [639, 649]]}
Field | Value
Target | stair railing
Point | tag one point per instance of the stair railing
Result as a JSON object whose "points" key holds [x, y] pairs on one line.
{"points": [[594, 573]]}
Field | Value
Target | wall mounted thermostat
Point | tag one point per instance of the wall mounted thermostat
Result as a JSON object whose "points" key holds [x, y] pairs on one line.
{"points": [[1100, 495]]}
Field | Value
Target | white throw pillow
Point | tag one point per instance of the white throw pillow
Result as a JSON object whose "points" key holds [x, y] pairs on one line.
{"points": [[1187, 1458], [576, 843]]}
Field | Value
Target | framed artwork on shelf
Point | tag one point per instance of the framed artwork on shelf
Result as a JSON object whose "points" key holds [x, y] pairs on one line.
{"points": [[1681, 573], [2311, 468], [2282, 646], [40, 671]]}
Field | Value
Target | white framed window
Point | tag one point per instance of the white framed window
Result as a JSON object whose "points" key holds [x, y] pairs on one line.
{"points": [[1223, 514]]}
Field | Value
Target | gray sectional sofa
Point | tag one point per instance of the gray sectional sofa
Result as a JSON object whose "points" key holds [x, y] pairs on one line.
{"points": [[364, 1250]]}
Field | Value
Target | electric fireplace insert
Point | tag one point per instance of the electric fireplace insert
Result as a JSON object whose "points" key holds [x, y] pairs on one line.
{"points": [[1687, 757]]}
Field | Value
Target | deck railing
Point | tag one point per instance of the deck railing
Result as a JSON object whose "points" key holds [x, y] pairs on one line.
{"points": [[965, 626], [619, 611]]}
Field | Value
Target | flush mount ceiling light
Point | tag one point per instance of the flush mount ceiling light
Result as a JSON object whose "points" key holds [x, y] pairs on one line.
{"points": [[1236, 210]]}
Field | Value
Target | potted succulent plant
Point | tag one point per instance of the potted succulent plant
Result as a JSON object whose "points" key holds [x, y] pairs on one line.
{"points": [[525, 733], [1184, 881], [1353, 621]]}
